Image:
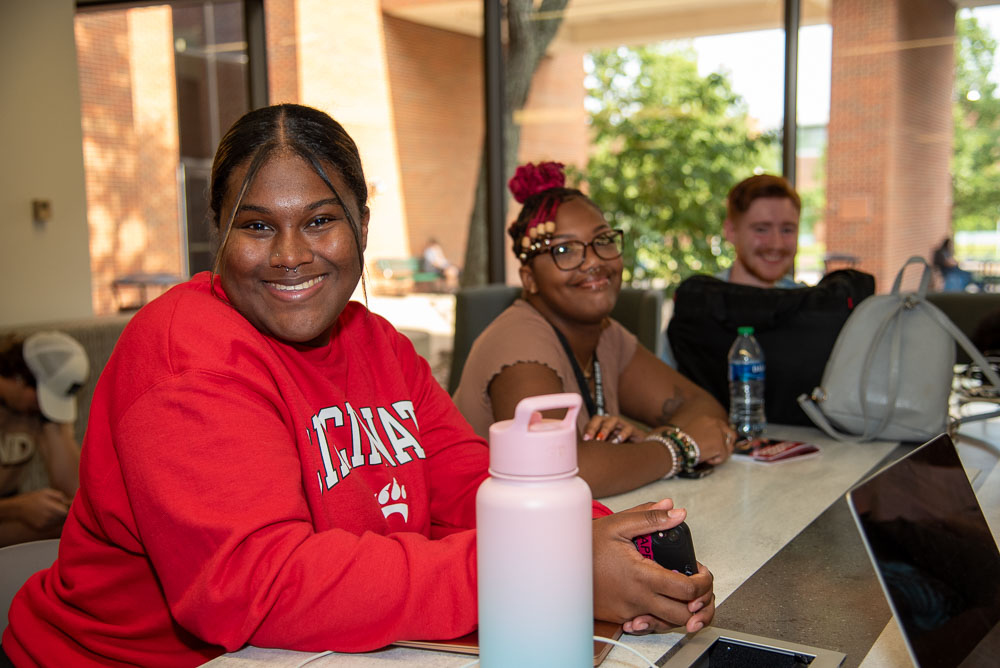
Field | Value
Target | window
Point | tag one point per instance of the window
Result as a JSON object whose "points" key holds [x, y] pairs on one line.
{"points": [[159, 85]]}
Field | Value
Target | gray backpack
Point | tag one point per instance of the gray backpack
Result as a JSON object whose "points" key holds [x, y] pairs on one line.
{"points": [[890, 373]]}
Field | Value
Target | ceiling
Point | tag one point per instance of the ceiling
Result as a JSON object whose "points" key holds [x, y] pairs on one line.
{"points": [[591, 24]]}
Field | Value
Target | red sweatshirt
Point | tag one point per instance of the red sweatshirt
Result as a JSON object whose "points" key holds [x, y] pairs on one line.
{"points": [[236, 490]]}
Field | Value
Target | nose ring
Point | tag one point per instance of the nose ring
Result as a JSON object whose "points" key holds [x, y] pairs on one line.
{"points": [[295, 270]]}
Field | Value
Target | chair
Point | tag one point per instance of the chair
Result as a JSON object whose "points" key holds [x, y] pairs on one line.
{"points": [[832, 261], [18, 563], [638, 310], [965, 309]]}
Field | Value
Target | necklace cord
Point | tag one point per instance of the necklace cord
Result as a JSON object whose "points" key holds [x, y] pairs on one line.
{"points": [[595, 403]]}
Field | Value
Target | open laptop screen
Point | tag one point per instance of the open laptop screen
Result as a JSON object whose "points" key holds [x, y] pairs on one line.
{"points": [[934, 554]]}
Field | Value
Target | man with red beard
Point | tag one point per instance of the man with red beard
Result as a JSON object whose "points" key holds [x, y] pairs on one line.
{"points": [[762, 224]]}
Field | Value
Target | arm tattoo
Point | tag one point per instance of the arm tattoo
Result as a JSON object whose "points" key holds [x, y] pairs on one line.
{"points": [[670, 406]]}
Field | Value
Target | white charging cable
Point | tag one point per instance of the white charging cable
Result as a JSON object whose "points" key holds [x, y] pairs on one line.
{"points": [[476, 662], [313, 658]]}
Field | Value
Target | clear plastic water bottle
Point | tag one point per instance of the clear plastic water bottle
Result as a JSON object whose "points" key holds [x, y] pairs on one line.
{"points": [[746, 386]]}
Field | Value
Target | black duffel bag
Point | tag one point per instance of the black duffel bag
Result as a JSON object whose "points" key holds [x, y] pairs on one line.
{"points": [[795, 327]]}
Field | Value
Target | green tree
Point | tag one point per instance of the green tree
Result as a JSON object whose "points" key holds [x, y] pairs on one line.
{"points": [[668, 145], [976, 161]]}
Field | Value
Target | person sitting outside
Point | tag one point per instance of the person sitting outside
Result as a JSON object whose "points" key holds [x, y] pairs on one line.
{"points": [[435, 261], [559, 337], [39, 377], [762, 224], [955, 279], [269, 463]]}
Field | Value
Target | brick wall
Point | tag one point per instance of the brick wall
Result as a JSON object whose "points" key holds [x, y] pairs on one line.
{"points": [[282, 54], [436, 83], [888, 185], [437, 96], [923, 142]]}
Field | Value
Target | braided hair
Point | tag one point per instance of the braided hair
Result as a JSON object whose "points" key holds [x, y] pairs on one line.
{"points": [[540, 189]]}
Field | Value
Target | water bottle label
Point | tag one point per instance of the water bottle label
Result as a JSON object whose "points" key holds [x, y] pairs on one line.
{"points": [[743, 371]]}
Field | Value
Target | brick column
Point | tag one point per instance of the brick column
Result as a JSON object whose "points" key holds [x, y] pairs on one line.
{"points": [[282, 53], [890, 132]]}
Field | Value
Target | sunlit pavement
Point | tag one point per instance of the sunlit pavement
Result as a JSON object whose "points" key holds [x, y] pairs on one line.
{"points": [[428, 319]]}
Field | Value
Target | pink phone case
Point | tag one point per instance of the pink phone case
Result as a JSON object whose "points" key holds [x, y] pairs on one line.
{"points": [[769, 450]]}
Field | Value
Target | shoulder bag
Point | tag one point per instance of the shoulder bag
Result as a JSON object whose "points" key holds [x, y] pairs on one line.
{"points": [[890, 373]]}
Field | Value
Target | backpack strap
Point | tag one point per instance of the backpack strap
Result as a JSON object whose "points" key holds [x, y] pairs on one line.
{"points": [[895, 360], [895, 349], [967, 345], [925, 277], [816, 415]]}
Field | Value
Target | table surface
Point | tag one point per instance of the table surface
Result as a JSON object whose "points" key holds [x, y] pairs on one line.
{"points": [[786, 555]]}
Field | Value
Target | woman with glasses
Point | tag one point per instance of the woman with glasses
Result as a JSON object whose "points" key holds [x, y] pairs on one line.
{"points": [[558, 337]]}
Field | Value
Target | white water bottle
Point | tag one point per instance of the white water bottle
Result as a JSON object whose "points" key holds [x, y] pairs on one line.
{"points": [[746, 386], [534, 550]]}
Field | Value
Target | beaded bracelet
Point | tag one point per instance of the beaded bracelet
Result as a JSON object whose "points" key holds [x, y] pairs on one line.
{"points": [[675, 454], [692, 453]]}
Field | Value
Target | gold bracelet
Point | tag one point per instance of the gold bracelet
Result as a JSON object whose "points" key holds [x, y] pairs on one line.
{"points": [[675, 454]]}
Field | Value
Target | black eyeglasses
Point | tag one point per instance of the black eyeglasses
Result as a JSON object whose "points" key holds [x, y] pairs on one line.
{"points": [[568, 255]]}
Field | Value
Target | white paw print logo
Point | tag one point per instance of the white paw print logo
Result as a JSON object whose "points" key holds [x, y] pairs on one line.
{"points": [[394, 492]]}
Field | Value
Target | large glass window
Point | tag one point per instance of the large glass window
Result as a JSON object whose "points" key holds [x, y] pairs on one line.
{"points": [[680, 105], [813, 109], [158, 84], [873, 137], [656, 107], [976, 160]]}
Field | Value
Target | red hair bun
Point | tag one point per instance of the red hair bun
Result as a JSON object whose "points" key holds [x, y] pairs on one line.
{"points": [[531, 179]]}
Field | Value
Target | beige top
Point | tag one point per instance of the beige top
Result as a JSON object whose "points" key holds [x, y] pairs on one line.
{"points": [[521, 334], [19, 436]]}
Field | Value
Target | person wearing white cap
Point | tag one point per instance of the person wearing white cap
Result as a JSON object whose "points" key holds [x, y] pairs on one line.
{"points": [[39, 379]]}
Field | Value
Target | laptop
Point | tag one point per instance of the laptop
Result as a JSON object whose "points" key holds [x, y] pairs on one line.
{"points": [[934, 555]]}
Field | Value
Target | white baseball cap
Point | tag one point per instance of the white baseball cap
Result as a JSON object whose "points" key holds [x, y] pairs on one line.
{"points": [[60, 366]]}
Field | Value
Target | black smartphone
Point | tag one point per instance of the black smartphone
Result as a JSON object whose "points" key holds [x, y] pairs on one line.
{"points": [[699, 471], [673, 549]]}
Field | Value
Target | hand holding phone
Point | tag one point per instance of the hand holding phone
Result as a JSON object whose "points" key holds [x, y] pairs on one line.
{"points": [[673, 549]]}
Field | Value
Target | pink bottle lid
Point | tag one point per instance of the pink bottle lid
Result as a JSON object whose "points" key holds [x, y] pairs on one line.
{"points": [[529, 445]]}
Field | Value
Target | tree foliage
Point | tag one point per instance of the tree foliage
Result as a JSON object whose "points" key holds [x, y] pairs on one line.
{"points": [[976, 161], [668, 144]]}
